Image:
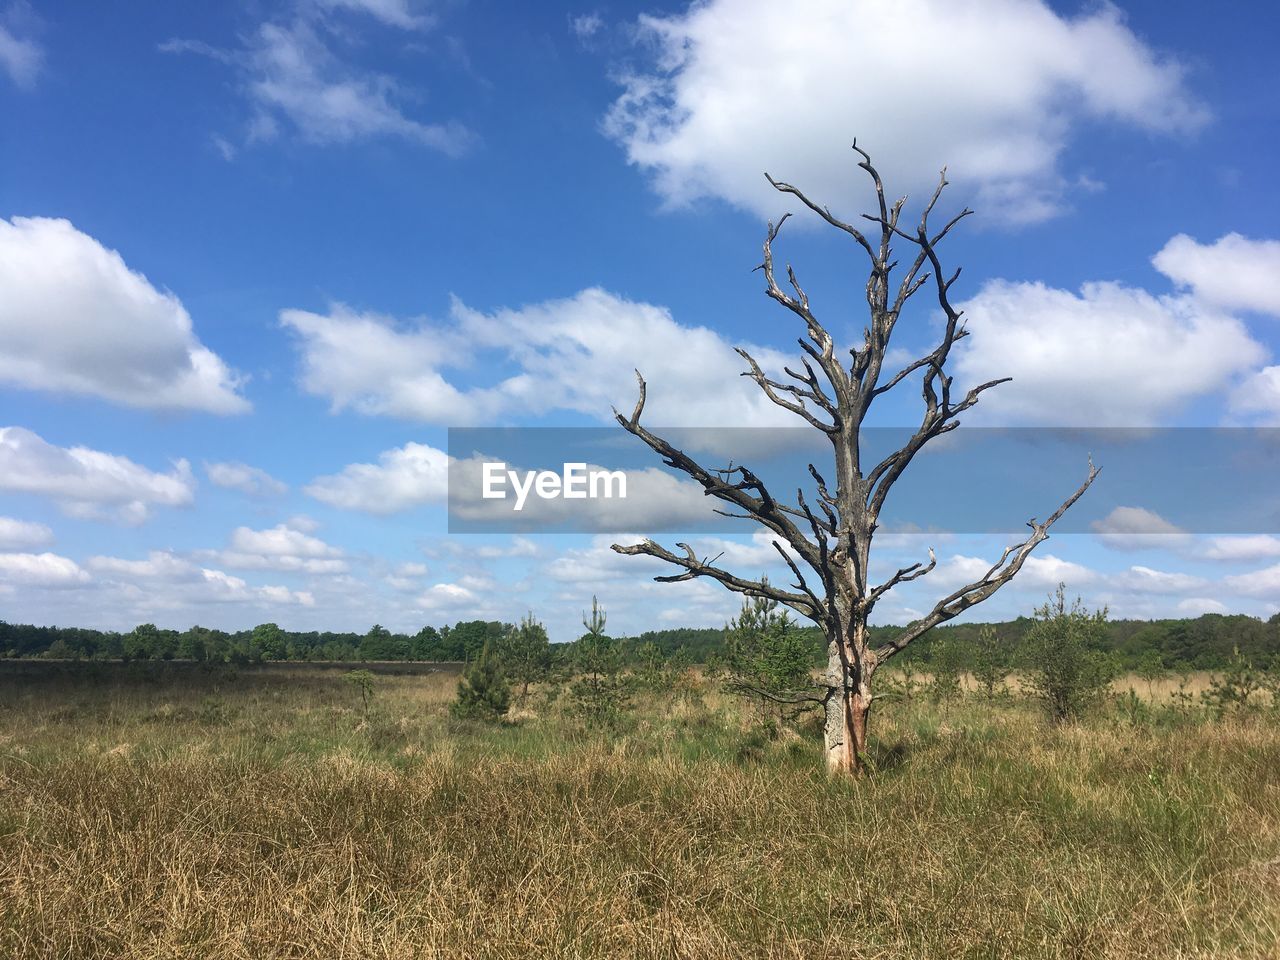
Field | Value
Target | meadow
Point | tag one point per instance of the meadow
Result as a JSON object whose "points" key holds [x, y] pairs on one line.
{"points": [[178, 810]]}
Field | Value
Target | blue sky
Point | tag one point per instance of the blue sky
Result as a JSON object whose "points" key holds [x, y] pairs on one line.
{"points": [[256, 258]]}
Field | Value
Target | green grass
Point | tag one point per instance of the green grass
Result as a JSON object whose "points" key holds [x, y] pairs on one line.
{"points": [[186, 813]]}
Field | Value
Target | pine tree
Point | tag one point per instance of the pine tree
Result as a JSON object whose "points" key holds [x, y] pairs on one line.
{"points": [[768, 660], [601, 691], [526, 653], [483, 691]]}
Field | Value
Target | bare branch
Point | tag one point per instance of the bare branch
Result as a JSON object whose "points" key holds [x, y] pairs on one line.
{"points": [[905, 575], [749, 495], [695, 567], [771, 388], [1001, 572]]}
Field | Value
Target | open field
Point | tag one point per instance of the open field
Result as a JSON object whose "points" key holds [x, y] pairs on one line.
{"points": [[173, 811]]}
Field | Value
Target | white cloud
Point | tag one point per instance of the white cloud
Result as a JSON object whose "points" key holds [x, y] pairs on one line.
{"points": [[293, 72], [167, 581], [17, 534], [1258, 583], [1136, 528], [405, 477], [1038, 572], [89, 483], [574, 354], [215, 586], [1250, 547], [159, 565], [1108, 356], [519, 547], [40, 570], [20, 58], [1195, 606], [283, 547], [1234, 272], [248, 480], [74, 318], [447, 596], [1259, 396], [1139, 579], [991, 87]]}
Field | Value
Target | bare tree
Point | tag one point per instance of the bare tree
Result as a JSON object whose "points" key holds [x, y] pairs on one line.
{"points": [[831, 538]]}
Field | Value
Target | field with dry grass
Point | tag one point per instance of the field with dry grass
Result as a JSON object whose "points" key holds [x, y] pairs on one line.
{"points": [[172, 811]]}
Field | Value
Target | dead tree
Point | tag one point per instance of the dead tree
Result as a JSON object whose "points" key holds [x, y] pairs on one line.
{"points": [[827, 544]]}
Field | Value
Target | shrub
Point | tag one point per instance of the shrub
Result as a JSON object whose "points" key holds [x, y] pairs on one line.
{"points": [[1066, 671], [483, 691]]}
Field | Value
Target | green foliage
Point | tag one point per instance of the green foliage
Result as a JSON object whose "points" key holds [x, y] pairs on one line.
{"points": [[944, 667], [600, 692], [990, 663], [362, 680], [769, 661], [381, 644], [270, 640], [483, 691], [650, 665], [1236, 687], [1066, 670], [525, 652]]}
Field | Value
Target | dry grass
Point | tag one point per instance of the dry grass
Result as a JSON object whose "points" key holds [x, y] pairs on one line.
{"points": [[263, 816]]}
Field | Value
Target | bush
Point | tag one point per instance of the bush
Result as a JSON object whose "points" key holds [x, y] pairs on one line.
{"points": [[483, 691], [768, 660], [990, 663], [1067, 672]]}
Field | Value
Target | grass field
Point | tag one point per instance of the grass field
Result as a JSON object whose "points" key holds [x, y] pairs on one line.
{"points": [[172, 811]]}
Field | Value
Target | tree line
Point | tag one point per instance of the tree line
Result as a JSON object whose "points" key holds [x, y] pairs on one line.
{"points": [[1208, 642]]}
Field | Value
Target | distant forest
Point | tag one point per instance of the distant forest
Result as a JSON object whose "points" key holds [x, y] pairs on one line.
{"points": [[1203, 643]]}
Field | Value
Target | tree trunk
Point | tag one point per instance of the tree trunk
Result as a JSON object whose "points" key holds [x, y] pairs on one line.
{"points": [[846, 713]]}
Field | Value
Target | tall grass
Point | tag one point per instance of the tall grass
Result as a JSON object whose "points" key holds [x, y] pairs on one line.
{"points": [[256, 815]]}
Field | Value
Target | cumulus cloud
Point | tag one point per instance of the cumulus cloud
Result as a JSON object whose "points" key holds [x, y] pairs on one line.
{"points": [[167, 581], [40, 570], [248, 480], [282, 547], [1234, 272], [992, 88], [1258, 396], [368, 363], [441, 597], [1196, 606], [1139, 579], [75, 319], [405, 477], [1088, 358], [1136, 528], [89, 483], [296, 73], [19, 534], [1257, 583], [1248, 547], [159, 565]]}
